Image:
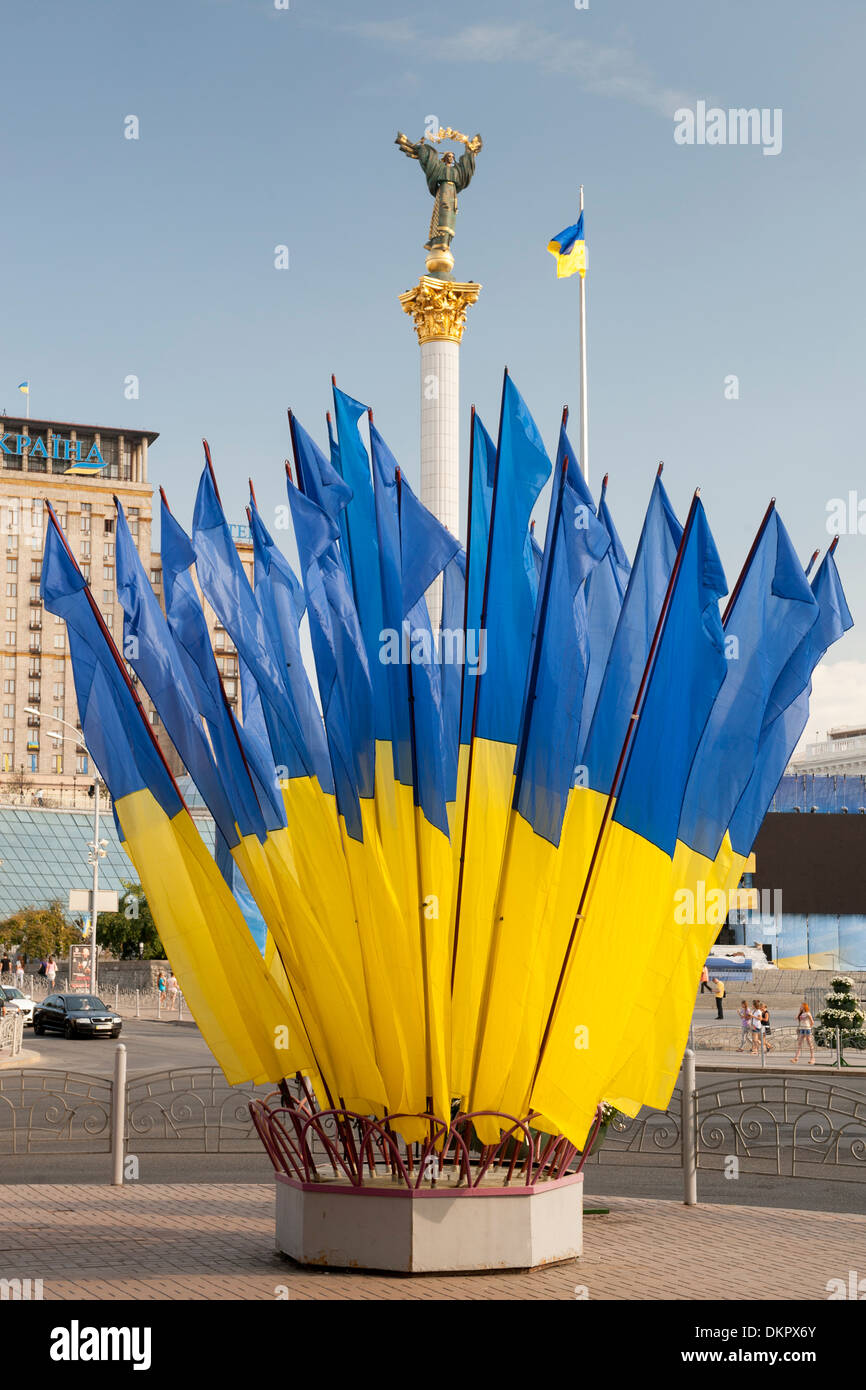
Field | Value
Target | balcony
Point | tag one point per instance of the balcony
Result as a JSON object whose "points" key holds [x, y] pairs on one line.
{"points": [[35, 700], [36, 625], [35, 647], [35, 602], [33, 721], [35, 673]]}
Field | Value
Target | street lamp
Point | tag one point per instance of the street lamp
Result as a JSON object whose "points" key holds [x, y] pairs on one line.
{"points": [[96, 847]]}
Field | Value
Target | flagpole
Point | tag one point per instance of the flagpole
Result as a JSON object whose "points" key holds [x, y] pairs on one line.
{"points": [[584, 414], [627, 745]]}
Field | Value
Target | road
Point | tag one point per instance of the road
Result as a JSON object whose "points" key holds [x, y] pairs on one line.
{"points": [[150, 1046]]}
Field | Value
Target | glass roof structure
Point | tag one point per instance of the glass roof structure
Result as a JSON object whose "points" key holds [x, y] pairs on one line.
{"points": [[43, 853]]}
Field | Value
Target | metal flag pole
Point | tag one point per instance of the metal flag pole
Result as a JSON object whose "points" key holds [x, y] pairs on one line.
{"points": [[584, 414]]}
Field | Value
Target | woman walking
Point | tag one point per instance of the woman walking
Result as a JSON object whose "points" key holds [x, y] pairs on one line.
{"points": [[805, 1026], [745, 1016], [765, 1025]]}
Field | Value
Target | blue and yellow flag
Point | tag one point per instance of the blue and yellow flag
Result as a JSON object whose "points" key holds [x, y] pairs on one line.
{"points": [[569, 248]]}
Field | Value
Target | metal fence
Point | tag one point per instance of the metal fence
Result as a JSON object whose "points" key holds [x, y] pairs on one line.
{"points": [[771, 1122], [11, 1036]]}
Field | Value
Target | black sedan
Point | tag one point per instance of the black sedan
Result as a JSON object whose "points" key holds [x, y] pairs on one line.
{"points": [[76, 1016]]}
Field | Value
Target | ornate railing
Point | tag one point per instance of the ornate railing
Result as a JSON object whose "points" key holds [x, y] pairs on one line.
{"points": [[41, 1111], [189, 1110], [11, 1036]]}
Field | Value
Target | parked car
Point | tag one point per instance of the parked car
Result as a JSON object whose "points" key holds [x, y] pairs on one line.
{"points": [[76, 1015], [23, 1003]]}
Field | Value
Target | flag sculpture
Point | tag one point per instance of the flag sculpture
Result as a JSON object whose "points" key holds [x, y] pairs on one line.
{"points": [[465, 832]]}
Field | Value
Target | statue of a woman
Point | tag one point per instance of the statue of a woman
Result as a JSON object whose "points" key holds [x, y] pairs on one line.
{"points": [[446, 177]]}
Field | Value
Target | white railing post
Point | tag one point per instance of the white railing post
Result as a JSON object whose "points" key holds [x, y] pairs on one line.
{"points": [[118, 1116], [116, 998], [138, 1003], [689, 1131]]}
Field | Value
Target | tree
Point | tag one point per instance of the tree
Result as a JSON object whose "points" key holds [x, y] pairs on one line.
{"points": [[40, 931], [121, 932], [841, 1010]]}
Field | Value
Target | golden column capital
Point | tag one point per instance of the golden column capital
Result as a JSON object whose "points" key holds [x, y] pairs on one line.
{"points": [[438, 307]]}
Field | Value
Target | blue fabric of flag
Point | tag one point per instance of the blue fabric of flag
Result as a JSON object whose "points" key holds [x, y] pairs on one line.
{"points": [[559, 658], [483, 474], [686, 676], [787, 711], [343, 672], [641, 606], [521, 471], [112, 723], [773, 610], [150, 649]]}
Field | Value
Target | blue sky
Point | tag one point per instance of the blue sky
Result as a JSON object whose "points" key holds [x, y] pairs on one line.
{"points": [[261, 127]]}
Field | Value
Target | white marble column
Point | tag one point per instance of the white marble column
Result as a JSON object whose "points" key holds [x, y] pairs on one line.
{"points": [[440, 430]]}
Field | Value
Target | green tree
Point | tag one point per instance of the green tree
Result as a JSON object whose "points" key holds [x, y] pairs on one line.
{"points": [[841, 1010], [120, 932], [40, 931]]}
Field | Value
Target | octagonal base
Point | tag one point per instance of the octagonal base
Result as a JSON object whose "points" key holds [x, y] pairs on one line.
{"points": [[430, 1230]]}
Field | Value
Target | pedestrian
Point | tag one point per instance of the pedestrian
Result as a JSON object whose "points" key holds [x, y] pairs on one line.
{"points": [[160, 985], [719, 992], [172, 990], [5, 964], [50, 972], [757, 1027], [765, 1025], [705, 980], [19, 973], [744, 1014], [805, 1025]]}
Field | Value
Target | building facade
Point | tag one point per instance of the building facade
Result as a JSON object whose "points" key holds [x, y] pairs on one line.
{"points": [[78, 469]]}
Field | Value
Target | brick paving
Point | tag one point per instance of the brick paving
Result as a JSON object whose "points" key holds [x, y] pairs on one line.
{"points": [[215, 1241]]}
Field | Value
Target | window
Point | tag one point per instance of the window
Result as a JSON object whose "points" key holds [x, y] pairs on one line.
{"points": [[108, 596], [59, 664], [9, 685], [108, 526], [156, 576], [85, 550], [8, 735], [58, 690], [36, 569], [58, 711], [220, 641], [9, 663], [59, 641], [8, 711], [34, 762], [34, 591], [11, 615], [33, 690], [10, 639], [12, 542], [108, 571], [81, 763], [11, 590], [109, 620], [85, 522], [231, 688], [11, 566], [85, 571], [108, 550]]}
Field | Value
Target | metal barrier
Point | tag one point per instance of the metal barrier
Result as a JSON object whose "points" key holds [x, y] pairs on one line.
{"points": [[772, 1122]]}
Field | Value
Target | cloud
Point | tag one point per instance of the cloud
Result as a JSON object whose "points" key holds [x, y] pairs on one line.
{"points": [[604, 70], [838, 700]]}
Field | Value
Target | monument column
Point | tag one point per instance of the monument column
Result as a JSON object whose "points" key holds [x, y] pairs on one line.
{"points": [[438, 309]]}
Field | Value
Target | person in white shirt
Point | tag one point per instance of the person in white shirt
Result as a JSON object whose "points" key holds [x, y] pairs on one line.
{"points": [[805, 1025]]}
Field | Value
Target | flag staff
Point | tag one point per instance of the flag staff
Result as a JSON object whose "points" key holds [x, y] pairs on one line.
{"points": [[584, 416]]}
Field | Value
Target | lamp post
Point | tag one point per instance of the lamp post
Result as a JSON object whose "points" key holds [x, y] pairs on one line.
{"points": [[96, 847]]}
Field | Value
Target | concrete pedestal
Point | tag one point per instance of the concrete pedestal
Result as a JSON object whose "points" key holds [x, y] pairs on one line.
{"points": [[434, 1230]]}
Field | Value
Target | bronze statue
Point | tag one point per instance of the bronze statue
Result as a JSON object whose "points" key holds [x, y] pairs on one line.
{"points": [[446, 177]]}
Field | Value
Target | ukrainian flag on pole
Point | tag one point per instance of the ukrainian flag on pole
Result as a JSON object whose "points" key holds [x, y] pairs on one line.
{"points": [[569, 248]]}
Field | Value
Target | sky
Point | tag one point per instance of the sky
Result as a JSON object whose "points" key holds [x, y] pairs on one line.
{"points": [[262, 126]]}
